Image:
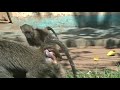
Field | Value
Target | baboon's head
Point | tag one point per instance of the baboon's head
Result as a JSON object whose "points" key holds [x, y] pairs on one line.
{"points": [[54, 71], [27, 30]]}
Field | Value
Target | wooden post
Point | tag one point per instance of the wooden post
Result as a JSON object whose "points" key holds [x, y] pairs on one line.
{"points": [[9, 17]]}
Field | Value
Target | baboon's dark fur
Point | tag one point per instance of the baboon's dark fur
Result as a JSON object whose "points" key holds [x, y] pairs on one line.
{"points": [[17, 60]]}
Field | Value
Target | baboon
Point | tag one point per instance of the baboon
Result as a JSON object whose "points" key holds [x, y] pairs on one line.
{"points": [[37, 36], [18, 60], [33, 36]]}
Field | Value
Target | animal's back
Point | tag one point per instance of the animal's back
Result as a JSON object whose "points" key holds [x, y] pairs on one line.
{"points": [[13, 53]]}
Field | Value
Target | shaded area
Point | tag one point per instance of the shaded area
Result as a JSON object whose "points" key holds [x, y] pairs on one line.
{"points": [[81, 52], [94, 19], [78, 54], [19, 73]]}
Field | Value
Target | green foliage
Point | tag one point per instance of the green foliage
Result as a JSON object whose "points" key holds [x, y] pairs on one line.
{"points": [[106, 73]]}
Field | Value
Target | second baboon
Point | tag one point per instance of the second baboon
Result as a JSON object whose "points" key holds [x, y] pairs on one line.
{"points": [[17, 60]]}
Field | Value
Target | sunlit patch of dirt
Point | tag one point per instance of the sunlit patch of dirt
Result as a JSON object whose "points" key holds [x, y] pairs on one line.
{"points": [[83, 58]]}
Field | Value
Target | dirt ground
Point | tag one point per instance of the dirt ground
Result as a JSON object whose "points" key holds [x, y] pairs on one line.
{"points": [[83, 58]]}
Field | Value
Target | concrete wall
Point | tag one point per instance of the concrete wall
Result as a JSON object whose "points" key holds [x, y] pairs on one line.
{"points": [[62, 20], [43, 19]]}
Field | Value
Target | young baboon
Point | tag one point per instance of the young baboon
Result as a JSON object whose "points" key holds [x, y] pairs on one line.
{"points": [[37, 36], [33, 36], [17, 60]]}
